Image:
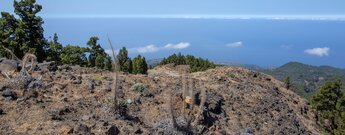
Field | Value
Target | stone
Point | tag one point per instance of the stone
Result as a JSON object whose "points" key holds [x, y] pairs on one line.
{"points": [[83, 129], [215, 104], [56, 117], [246, 134], [48, 66], [249, 130], [36, 84], [77, 80], [129, 101], [113, 130], [107, 88], [85, 117], [90, 85], [2, 87], [138, 131], [9, 94]]}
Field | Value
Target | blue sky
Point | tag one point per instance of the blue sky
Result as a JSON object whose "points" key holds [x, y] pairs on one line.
{"points": [[92, 8], [266, 33]]}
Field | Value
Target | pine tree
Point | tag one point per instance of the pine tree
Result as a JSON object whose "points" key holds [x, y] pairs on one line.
{"points": [[325, 102], [108, 63], [340, 119], [95, 50], [73, 55], [139, 65], [30, 28], [54, 51], [123, 61], [287, 82], [100, 62], [144, 66], [98, 57], [23, 35], [11, 36], [196, 64]]}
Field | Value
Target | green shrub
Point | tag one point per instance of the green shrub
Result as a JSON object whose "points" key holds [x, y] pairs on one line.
{"points": [[138, 87], [196, 64]]}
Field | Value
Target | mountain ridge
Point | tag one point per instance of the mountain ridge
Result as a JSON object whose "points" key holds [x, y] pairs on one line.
{"points": [[306, 79], [237, 101]]}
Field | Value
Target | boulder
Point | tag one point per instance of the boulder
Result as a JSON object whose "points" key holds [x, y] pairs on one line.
{"points": [[9, 94], [47, 66], [113, 130], [90, 85]]}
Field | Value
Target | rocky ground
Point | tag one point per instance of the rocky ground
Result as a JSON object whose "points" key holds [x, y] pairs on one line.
{"points": [[75, 100]]}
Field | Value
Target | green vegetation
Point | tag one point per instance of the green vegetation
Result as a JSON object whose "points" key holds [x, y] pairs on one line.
{"points": [[139, 65], [138, 87], [123, 61], [54, 51], [196, 64], [74, 55], [25, 35], [98, 57], [306, 79], [329, 103], [287, 82]]}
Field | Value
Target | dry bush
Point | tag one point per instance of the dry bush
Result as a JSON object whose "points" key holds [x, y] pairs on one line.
{"points": [[29, 58], [190, 110]]}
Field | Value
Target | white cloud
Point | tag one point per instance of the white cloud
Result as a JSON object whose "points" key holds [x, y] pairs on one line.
{"points": [[145, 49], [318, 51], [235, 44], [153, 48], [181, 45]]}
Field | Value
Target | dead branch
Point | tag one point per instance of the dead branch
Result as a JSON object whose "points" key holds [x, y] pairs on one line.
{"points": [[29, 58], [14, 57], [115, 75]]}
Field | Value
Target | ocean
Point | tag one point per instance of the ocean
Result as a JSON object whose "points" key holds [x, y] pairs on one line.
{"points": [[263, 42]]}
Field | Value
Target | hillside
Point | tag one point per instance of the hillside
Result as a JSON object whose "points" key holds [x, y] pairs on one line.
{"points": [[306, 79], [74, 100]]}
